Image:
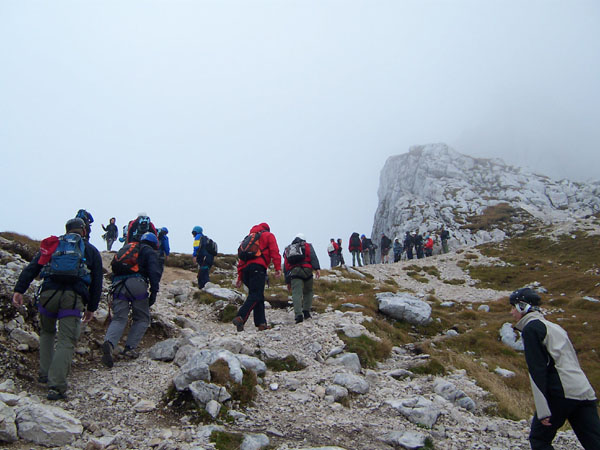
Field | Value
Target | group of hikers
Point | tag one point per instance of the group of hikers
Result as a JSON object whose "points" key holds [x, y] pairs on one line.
{"points": [[363, 249], [71, 269]]}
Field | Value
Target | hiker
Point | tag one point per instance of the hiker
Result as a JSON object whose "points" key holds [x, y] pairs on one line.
{"points": [[111, 233], [88, 220], [340, 255], [561, 390], [428, 246], [258, 250], [202, 256], [408, 245], [63, 298], [397, 248], [386, 243], [164, 249], [355, 248], [366, 249], [332, 251], [131, 278], [418, 241], [300, 259], [139, 226], [123, 238], [444, 236], [372, 251]]}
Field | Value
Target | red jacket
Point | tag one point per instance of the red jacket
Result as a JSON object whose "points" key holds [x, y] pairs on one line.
{"points": [[429, 243], [268, 248]]}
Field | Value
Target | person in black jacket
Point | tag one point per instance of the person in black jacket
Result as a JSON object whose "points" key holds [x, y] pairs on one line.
{"points": [[408, 245], [130, 292], [62, 302], [112, 233], [561, 391], [418, 241]]}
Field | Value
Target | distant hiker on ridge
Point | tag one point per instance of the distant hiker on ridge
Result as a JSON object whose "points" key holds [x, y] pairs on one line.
{"points": [[418, 241], [300, 259], [112, 233], [386, 244], [444, 237], [164, 249], [408, 245], [68, 290], [204, 253], [137, 227], [256, 252], [332, 251], [340, 255], [397, 248], [355, 248], [428, 246], [366, 249]]}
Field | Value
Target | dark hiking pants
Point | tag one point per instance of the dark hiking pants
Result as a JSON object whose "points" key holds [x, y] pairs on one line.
{"points": [[254, 277], [583, 417]]}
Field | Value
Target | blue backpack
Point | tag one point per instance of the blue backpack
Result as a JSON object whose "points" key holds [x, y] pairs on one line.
{"points": [[67, 264]]}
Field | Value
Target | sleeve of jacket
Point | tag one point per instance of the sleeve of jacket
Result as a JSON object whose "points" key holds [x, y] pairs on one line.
{"points": [[150, 268], [314, 260], [537, 356], [28, 274], [97, 275], [274, 251]]}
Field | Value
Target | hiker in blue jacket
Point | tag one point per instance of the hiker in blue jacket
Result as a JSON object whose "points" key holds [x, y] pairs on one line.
{"points": [[63, 302], [203, 258], [164, 249]]}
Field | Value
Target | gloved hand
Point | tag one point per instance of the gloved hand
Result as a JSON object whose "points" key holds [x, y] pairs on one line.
{"points": [[152, 298]]}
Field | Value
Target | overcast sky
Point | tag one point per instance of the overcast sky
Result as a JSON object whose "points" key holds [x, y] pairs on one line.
{"points": [[225, 113]]}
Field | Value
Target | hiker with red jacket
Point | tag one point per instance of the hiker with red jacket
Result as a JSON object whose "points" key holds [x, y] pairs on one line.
{"points": [[138, 226], [300, 259], [355, 247], [63, 300], [252, 271]]}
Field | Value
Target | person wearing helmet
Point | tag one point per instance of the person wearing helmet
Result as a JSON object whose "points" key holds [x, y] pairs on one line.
{"points": [[202, 256], [130, 293], [62, 301], [163, 248], [561, 391]]}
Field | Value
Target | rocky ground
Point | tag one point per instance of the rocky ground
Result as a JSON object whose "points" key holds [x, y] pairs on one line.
{"points": [[382, 408]]}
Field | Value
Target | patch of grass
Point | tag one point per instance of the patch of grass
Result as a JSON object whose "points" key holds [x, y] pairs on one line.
{"points": [[225, 262], [455, 281], [492, 217], [418, 277], [369, 351], [204, 298], [431, 270], [20, 244], [289, 364], [227, 314], [226, 441], [244, 393], [182, 261], [432, 367]]}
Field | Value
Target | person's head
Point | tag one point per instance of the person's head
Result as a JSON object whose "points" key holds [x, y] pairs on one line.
{"points": [[113, 219], [524, 301], [332, 240], [300, 236], [196, 230], [150, 239], [339, 240], [362, 236], [164, 230], [75, 225]]}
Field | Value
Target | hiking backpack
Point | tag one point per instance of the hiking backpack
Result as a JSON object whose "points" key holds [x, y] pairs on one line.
{"points": [[140, 226], [67, 263], [211, 247], [250, 247], [125, 262], [295, 253], [355, 240]]}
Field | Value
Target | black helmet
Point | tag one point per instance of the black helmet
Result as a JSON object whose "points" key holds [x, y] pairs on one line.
{"points": [[525, 300], [74, 224]]}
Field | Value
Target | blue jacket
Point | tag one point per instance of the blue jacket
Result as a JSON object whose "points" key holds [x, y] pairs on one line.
{"points": [[203, 258], [163, 245]]}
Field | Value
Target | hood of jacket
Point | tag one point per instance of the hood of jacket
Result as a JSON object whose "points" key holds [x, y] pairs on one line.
{"points": [[260, 227]]}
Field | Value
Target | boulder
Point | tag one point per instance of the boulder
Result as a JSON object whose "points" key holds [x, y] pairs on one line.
{"points": [[8, 427], [402, 306], [353, 383], [165, 350], [224, 293], [47, 425], [194, 369], [213, 408], [417, 409], [337, 392], [451, 393], [254, 442], [348, 360], [31, 339], [252, 364], [205, 392], [407, 439]]}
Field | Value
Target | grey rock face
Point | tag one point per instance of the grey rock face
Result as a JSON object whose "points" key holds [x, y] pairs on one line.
{"points": [[8, 427], [402, 306], [418, 410], [348, 360], [254, 442], [195, 369], [337, 392], [433, 185], [205, 392], [451, 393], [46, 425], [253, 364]]}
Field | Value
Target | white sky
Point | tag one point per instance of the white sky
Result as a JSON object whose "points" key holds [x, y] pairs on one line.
{"points": [[227, 113]]}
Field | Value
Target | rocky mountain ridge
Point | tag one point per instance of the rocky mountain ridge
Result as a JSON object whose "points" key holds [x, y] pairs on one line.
{"points": [[433, 185]]}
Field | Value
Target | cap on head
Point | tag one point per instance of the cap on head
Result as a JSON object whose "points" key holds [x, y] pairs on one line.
{"points": [[524, 300], [74, 224], [300, 236]]}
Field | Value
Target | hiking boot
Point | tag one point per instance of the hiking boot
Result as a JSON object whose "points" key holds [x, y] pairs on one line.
{"points": [[306, 314], [263, 327], [54, 394], [299, 318], [239, 323], [43, 379], [130, 353], [107, 354]]}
